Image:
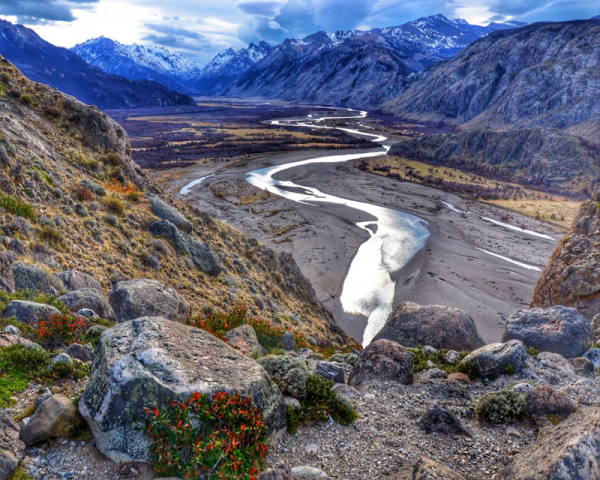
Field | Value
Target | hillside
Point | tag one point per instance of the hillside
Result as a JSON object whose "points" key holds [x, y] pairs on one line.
{"points": [[72, 164], [62, 69]]}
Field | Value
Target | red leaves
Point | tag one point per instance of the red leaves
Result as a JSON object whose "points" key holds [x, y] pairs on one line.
{"points": [[61, 330]]}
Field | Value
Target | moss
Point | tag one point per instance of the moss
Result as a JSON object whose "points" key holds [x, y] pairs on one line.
{"points": [[533, 352], [504, 406], [421, 358], [290, 374], [18, 207]]}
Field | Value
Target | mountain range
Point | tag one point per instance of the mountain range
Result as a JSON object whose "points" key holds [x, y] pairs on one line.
{"points": [[62, 69]]}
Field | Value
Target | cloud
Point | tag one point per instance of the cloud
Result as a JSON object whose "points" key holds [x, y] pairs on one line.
{"points": [[261, 8], [39, 12], [273, 25]]}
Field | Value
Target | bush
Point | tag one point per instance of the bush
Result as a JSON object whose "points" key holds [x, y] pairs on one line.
{"points": [[191, 439], [111, 159], [51, 234], [60, 330], [5, 78], [504, 406], [26, 99], [84, 193], [114, 204], [289, 374], [30, 295], [18, 207]]}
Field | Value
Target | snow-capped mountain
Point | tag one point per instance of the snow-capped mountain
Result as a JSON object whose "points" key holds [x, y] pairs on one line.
{"points": [[138, 62]]}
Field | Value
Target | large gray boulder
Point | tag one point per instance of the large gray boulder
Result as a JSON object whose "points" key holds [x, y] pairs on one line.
{"points": [[167, 212], [88, 298], [12, 448], [150, 362], [30, 277], [29, 312], [76, 280], [139, 298], [569, 450], [496, 359], [7, 278], [557, 329], [52, 419], [382, 360], [411, 325], [201, 252]]}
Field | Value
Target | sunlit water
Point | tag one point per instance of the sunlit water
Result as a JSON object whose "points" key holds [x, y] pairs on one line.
{"points": [[369, 286], [188, 188]]}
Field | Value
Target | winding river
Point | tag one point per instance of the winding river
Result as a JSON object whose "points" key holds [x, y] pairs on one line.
{"points": [[395, 237]]}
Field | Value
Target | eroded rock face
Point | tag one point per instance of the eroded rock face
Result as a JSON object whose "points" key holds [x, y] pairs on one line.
{"points": [[76, 280], [569, 450], [557, 329], [498, 358], [88, 298], [12, 448], [383, 360], [201, 252], [151, 361], [441, 327], [167, 212], [572, 275], [138, 298], [7, 279]]}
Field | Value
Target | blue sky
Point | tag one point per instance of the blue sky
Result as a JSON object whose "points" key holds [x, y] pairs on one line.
{"points": [[201, 28]]}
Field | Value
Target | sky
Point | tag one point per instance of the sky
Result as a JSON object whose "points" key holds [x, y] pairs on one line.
{"points": [[199, 29]]}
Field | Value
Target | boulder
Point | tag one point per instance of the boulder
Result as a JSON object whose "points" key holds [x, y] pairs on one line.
{"points": [[138, 298], [556, 362], [346, 391], [582, 366], [558, 329], [76, 280], [7, 278], [545, 401], [6, 340], [151, 361], [52, 420], [83, 353], [331, 371], [29, 312], [30, 277], [593, 355], [12, 448], [201, 252], [279, 471], [411, 325], [459, 377], [288, 342], [88, 298], [61, 358], [496, 359], [427, 469], [569, 450], [383, 360], [166, 212], [438, 419], [244, 339]]}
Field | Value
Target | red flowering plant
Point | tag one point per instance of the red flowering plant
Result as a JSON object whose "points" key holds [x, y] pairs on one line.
{"points": [[202, 439], [59, 330]]}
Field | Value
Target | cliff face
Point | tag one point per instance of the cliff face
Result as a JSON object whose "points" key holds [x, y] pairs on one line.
{"points": [[572, 276], [70, 163]]}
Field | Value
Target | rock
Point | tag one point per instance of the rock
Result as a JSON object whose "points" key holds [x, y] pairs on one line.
{"points": [[12, 448], [41, 399], [75, 280], [430, 364], [202, 254], [569, 450], [524, 388], [95, 331], [438, 419], [426, 469], [452, 357], [30, 277], [288, 342], [311, 448], [513, 432], [244, 339], [459, 377], [382, 360], [87, 313], [558, 329], [61, 358], [556, 362], [165, 212], [88, 298], [12, 330], [497, 358], [83, 353], [52, 420], [7, 278], [279, 471], [582, 366], [431, 374], [545, 401], [593, 355], [428, 349], [331, 371], [348, 358], [138, 298], [306, 353], [289, 373], [411, 325], [29, 312], [149, 362], [292, 402], [305, 471], [346, 391]]}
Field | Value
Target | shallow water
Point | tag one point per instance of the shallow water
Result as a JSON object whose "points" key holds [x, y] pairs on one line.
{"points": [[188, 188]]}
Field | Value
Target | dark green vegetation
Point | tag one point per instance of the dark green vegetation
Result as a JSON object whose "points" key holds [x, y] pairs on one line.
{"points": [[504, 406]]}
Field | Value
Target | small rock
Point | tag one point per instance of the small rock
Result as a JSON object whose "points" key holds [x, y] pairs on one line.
{"points": [[331, 371], [61, 358], [244, 339], [292, 402], [80, 352], [582, 366], [524, 388], [429, 349], [459, 377], [513, 432], [12, 330], [440, 420], [311, 448], [305, 471], [593, 355], [346, 391], [452, 357]]}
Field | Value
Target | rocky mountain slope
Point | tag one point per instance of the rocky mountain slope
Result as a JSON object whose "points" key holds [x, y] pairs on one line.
{"points": [[355, 68], [62, 69], [139, 62]]}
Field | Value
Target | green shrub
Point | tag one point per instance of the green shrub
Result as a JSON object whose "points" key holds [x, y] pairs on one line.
{"points": [[51, 235], [504, 406], [421, 358], [26, 99], [5, 78], [289, 374], [18, 207], [111, 159], [30, 295], [470, 369], [114, 204], [533, 352], [199, 438]]}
